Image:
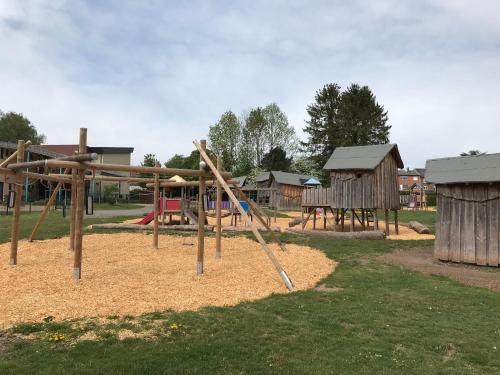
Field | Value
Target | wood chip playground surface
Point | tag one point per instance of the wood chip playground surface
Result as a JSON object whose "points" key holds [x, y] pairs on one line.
{"points": [[123, 275]]}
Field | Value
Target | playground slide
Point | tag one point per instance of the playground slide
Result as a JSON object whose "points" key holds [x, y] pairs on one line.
{"points": [[149, 218], [193, 218]]}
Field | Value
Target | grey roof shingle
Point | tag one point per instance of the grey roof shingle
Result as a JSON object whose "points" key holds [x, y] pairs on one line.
{"points": [[35, 149], [462, 169], [262, 176], [362, 157], [290, 178]]}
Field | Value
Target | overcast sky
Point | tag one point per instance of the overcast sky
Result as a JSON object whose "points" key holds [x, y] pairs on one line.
{"points": [[154, 76]]}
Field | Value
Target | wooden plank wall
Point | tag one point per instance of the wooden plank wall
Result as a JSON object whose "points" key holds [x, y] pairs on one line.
{"points": [[318, 196], [288, 196], [386, 188], [352, 189], [468, 224]]}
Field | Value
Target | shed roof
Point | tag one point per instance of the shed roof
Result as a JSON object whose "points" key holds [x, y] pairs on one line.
{"points": [[241, 180], [362, 157], [263, 176], [35, 149], [462, 169], [290, 178]]}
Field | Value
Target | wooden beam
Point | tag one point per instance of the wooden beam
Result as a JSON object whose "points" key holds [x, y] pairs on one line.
{"points": [[156, 197], [80, 201], [13, 157], [43, 163], [174, 184], [258, 214], [244, 215], [351, 227], [201, 215], [46, 209], [387, 229], [396, 222], [218, 213], [17, 206], [72, 215], [50, 177]]}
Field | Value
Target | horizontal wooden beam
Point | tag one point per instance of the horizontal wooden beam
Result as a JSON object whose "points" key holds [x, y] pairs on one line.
{"points": [[174, 184], [45, 177], [12, 157], [45, 163]]}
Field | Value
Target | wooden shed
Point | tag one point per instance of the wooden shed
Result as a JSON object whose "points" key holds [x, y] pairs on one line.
{"points": [[365, 178], [468, 208]]}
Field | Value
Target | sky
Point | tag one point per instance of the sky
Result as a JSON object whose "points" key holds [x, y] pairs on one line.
{"points": [[155, 74]]}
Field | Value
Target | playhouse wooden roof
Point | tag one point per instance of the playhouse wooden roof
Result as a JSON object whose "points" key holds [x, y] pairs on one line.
{"points": [[362, 157], [464, 169]]}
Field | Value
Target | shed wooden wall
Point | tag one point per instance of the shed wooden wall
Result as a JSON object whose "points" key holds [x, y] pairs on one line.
{"points": [[367, 189], [468, 225], [288, 196]]}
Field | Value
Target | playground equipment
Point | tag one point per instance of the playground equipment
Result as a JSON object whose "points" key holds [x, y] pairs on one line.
{"points": [[75, 174]]}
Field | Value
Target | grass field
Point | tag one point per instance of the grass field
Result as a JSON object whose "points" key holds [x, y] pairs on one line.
{"points": [[116, 206], [383, 319]]}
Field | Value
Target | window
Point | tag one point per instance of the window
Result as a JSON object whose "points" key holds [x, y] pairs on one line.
{"points": [[415, 178], [404, 178]]}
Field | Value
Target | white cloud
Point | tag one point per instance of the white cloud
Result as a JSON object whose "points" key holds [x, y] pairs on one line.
{"points": [[154, 77]]}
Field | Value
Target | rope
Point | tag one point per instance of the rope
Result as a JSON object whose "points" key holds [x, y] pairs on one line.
{"points": [[469, 200]]}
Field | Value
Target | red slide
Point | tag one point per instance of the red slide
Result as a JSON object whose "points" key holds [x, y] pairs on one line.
{"points": [[149, 218]]}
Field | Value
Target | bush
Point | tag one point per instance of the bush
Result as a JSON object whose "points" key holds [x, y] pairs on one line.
{"points": [[431, 199]]}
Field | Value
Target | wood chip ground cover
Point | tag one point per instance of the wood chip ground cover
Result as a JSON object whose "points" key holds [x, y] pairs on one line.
{"points": [[122, 274]]}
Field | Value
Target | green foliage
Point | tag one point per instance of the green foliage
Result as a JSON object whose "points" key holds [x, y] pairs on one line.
{"points": [[224, 137], [185, 162], [278, 132], [110, 192], [15, 126], [305, 165], [255, 133], [431, 199], [276, 160], [349, 118]]}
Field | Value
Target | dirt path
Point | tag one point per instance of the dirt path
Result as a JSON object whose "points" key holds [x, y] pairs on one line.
{"points": [[421, 259]]}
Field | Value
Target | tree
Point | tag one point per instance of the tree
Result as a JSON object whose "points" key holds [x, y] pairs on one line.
{"points": [[148, 161], [472, 153], [255, 133], [349, 118], [278, 131], [276, 160], [224, 137], [305, 165], [14, 126]]}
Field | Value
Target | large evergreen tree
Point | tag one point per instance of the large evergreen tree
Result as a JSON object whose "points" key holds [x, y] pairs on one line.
{"points": [[349, 118], [276, 160], [14, 126]]}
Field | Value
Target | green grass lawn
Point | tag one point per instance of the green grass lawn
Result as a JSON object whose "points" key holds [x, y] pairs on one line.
{"points": [[385, 319], [54, 226], [116, 206]]}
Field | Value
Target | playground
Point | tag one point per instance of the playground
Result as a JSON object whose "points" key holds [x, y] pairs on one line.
{"points": [[124, 277]]}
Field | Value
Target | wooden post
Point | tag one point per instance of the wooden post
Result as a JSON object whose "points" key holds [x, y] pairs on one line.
{"points": [[351, 226], [156, 210], [74, 187], [396, 224], [342, 218], [201, 216], [363, 219], [314, 218], [231, 195], [162, 213], [17, 206], [47, 208], [375, 219], [218, 209], [80, 202], [387, 230]]}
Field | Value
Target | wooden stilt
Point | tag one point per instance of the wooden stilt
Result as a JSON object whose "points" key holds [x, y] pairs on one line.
{"points": [[351, 225], [74, 183], [201, 216], [46, 209], [375, 219], [163, 207], [255, 231], [80, 202], [156, 210], [363, 219], [218, 212], [17, 206], [314, 218], [396, 223], [387, 230], [342, 218]]}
